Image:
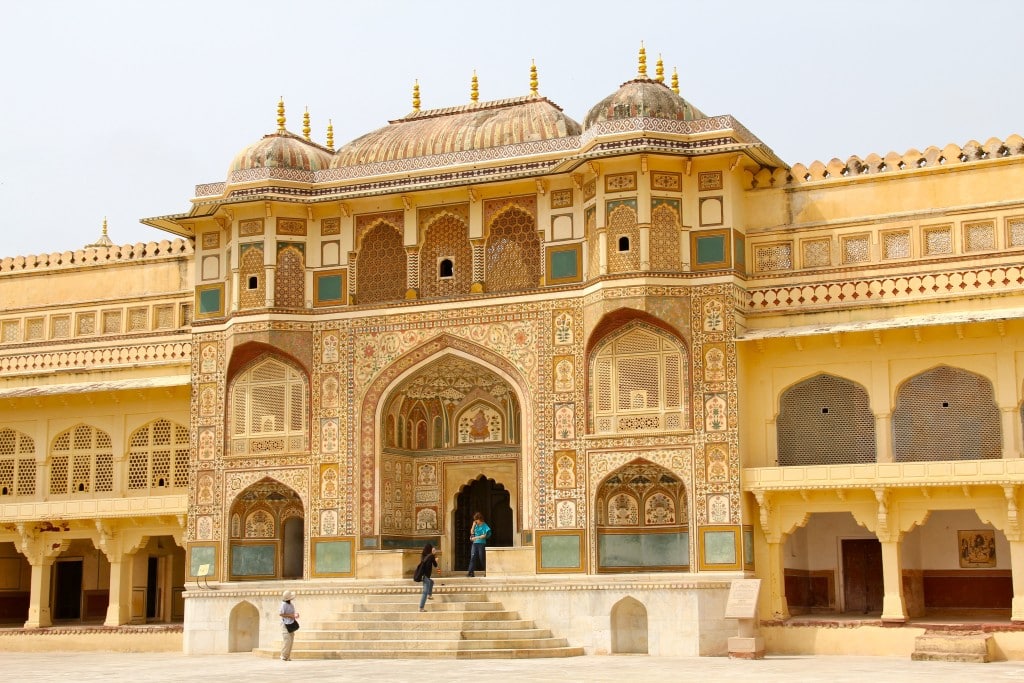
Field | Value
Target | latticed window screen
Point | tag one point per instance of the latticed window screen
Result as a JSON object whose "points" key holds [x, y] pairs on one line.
{"points": [[639, 377], [269, 400], [513, 252], [380, 265], [946, 414], [622, 223], [251, 278], [825, 420], [290, 279], [446, 238], [17, 464], [664, 239], [82, 461], [158, 456]]}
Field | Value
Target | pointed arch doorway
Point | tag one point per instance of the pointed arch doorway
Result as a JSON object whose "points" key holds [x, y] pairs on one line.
{"points": [[493, 501]]}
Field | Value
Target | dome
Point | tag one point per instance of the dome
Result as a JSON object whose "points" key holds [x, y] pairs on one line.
{"points": [[642, 97], [282, 150], [460, 129]]}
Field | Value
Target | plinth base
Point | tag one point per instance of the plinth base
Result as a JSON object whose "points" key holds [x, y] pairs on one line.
{"points": [[746, 648]]}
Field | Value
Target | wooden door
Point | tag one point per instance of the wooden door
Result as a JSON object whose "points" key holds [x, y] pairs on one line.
{"points": [[862, 575]]}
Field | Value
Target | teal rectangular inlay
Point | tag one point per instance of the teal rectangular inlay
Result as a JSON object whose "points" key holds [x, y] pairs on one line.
{"points": [[563, 264], [711, 249], [209, 301], [202, 554], [329, 288], [720, 547], [560, 552], [333, 557]]}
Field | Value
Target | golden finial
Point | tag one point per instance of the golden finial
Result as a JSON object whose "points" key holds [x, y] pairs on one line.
{"points": [[416, 95], [330, 135], [305, 125], [104, 226], [675, 80], [533, 78], [280, 115], [103, 240], [659, 70], [642, 69], [474, 88]]}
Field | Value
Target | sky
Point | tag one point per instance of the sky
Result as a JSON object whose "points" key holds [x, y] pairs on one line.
{"points": [[117, 109]]}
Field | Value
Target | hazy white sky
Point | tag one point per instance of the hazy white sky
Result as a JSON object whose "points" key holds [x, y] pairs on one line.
{"points": [[119, 109]]}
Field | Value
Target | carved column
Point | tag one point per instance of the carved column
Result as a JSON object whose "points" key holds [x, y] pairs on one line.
{"points": [[883, 437], [778, 607], [478, 244], [1010, 423], [645, 246], [1012, 529], [894, 608], [40, 553], [602, 248], [119, 553], [412, 272]]}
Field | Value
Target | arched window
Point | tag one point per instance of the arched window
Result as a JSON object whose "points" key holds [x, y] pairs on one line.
{"points": [[17, 464], [946, 414], [81, 461], [250, 271], [513, 252], [624, 243], [639, 382], [445, 245], [665, 236], [158, 457], [268, 408], [622, 225], [290, 277], [825, 420], [381, 265]]}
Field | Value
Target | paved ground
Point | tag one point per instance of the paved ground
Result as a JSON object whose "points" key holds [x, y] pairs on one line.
{"points": [[147, 668]]}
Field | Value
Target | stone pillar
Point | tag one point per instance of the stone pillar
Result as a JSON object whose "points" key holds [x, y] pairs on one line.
{"points": [[478, 245], [271, 281], [119, 606], [894, 609], [602, 249], [778, 606], [1011, 423], [1017, 570], [645, 246], [39, 613], [883, 437], [412, 272]]}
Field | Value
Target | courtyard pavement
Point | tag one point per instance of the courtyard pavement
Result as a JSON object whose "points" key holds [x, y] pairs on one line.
{"points": [[153, 667]]}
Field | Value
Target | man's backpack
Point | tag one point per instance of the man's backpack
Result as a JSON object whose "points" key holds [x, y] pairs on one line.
{"points": [[417, 575]]}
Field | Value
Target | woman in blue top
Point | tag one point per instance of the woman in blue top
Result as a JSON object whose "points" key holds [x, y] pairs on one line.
{"points": [[478, 536]]}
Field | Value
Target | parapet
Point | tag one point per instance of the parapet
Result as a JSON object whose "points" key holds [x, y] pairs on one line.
{"points": [[96, 256]]}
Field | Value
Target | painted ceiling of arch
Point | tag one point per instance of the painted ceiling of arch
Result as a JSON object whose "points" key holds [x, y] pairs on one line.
{"points": [[642, 474], [451, 379], [269, 492]]}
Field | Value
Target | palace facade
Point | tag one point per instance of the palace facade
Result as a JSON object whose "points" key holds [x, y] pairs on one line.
{"points": [[655, 356]]}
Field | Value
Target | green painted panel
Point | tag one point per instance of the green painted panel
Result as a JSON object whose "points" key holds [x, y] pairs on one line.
{"points": [[720, 547], [560, 552], [329, 288], [332, 557], [209, 301], [644, 550], [738, 250], [563, 264], [711, 249], [252, 560], [748, 547], [203, 554]]}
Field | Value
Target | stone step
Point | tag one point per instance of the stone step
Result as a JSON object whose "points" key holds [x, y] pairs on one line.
{"points": [[429, 654], [414, 614], [411, 596], [436, 604], [424, 624], [386, 646], [424, 634], [953, 647]]}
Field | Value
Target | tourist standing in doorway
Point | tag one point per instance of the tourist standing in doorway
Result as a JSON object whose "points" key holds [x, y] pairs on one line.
{"points": [[428, 560], [478, 536], [289, 624]]}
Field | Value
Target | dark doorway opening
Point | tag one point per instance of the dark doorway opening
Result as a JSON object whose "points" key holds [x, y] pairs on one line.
{"points": [[863, 588], [152, 587], [68, 590], [292, 548], [491, 500]]}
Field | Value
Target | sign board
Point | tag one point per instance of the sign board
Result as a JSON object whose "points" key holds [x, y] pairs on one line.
{"points": [[204, 570], [742, 603]]}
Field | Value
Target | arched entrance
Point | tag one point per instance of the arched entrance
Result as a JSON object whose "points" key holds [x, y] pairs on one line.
{"points": [[267, 533], [490, 499]]}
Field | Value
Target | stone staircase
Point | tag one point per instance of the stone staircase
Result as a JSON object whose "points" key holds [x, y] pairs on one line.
{"points": [[953, 646], [456, 625]]}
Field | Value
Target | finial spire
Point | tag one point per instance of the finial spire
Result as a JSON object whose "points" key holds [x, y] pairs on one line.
{"points": [[305, 125], [416, 95], [330, 135], [280, 115], [104, 226], [474, 88], [641, 71], [533, 78], [103, 240], [659, 70], [675, 80]]}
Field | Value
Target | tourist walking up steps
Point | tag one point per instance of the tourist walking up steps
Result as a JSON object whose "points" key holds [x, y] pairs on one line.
{"points": [[289, 624], [478, 536], [428, 561]]}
